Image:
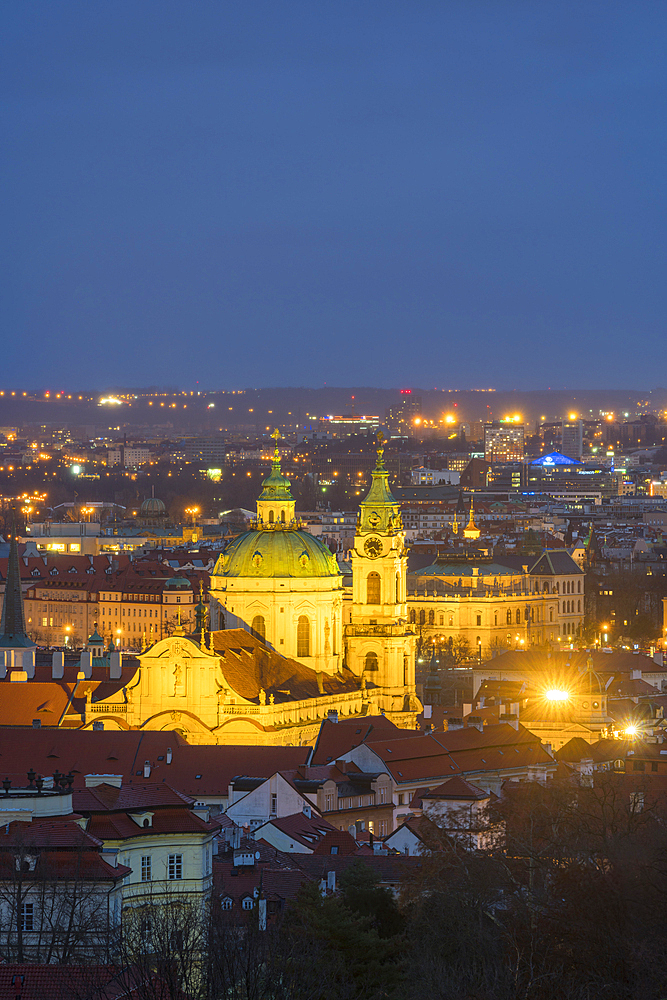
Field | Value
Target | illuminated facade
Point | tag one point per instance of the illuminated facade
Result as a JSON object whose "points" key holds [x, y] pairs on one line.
{"points": [[503, 442]]}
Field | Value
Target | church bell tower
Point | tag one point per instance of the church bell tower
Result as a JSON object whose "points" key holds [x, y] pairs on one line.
{"points": [[380, 645]]}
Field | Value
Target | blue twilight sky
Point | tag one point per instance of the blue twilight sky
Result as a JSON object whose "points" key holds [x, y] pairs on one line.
{"points": [[427, 192]]}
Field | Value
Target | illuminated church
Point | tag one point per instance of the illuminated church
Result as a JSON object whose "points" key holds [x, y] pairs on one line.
{"points": [[307, 647]]}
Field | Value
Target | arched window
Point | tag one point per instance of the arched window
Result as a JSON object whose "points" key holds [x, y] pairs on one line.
{"points": [[413, 616], [495, 617], [518, 616], [422, 617], [509, 617], [303, 636], [441, 619], [551, 614], [398, 589], [431, 617], [282, 516], [271, 517], [259, 626], [545, 588], [371, 661], [479, 619], [451, 621], [579, 606], [373, 588]]}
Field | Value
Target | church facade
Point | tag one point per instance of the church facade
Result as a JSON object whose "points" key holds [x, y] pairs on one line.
{"points": [[308, 650]]}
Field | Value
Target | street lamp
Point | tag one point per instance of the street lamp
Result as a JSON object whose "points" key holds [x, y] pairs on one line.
{"points": [[193, 511], [67, 632], [118, 639]]}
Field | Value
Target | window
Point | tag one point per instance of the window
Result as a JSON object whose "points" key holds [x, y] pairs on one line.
{"points": [[479, 619], [398, 589], [654, 766], [578, 586], [373, 588], [638, 765], [274, 804], [259, 626], [382, 832], [371, 661], [509, 617], [328, 800], [383, 794], [422, 617], [248, 903], [146, 868], [226, 903], [495, 617], [271, 517], [413, 617], [518, 616], [431, 617], [27, 917], [303, 636], [579, 606], [175, 867], [401, 799], [441, 619]]}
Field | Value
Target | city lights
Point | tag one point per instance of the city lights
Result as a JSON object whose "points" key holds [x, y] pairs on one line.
{"points": [[557, 694]]}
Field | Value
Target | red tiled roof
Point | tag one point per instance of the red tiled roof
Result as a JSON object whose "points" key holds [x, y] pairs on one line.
{"points": [[336, 738], [109, 797], [54, 982], [455, 788], [307, 831], [341, 841], [194, 770]]}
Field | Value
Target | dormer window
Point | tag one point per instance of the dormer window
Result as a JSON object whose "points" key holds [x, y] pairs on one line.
{"points": [[143, 819]]}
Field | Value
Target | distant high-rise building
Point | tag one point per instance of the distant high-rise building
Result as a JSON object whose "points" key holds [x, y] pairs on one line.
{"points": [[404, 418], [572, 438], [503, 442]]}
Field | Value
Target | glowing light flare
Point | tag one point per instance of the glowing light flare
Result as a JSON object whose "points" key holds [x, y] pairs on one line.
{"points": [[557, 694], [631, 731], [110, 401]]}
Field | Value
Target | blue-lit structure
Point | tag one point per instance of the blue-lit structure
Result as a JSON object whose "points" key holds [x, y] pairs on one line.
{"points": [[554, 458]]}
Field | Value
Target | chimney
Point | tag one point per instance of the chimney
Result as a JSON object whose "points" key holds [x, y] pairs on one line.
{"points": [[98, 724], [36, 723], [115, 665], [511, 719], [342, 766], [169, 755], [57, 665], [147, 769], [475, 722], [454, 724], [86, 664], [332, 715]]}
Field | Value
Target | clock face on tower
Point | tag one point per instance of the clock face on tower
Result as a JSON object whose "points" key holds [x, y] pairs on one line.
{"points": [[373, 547]]}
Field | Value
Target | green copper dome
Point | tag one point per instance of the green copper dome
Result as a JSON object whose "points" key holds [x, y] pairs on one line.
{"points": [[287, 552], [275, 486]]}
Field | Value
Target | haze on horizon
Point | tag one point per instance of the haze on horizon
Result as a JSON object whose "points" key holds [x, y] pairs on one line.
{"points": [[260, 194]]}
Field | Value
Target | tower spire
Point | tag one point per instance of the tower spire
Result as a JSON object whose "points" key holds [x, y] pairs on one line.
{"points": [[12, 624]]}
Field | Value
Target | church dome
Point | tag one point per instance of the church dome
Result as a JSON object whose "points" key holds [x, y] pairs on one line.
{"points": [[152, 507], [290, 553]]}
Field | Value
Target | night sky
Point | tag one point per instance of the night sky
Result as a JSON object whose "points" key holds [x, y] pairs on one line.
{"points": [[459, 194]]}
